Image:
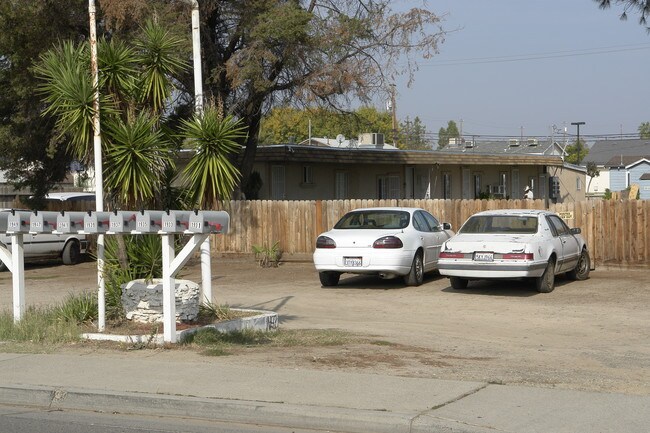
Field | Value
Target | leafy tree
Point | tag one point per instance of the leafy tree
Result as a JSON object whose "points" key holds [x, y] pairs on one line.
{"points": [[268, 53], [576, 152], [284, 124], [31, 155], [413, 135], [640, 7], [445, 134], [592, 171], [644, 130]]}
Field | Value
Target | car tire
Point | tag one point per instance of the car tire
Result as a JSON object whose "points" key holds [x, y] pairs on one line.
{"points": [[546, 283], [71, 253], [329, 279], [581, 271], [416, 276], [458, 283]]}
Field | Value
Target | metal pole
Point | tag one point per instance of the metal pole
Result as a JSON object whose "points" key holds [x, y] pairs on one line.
{"points": [[578, 144], [206, 271], [99, 176]]}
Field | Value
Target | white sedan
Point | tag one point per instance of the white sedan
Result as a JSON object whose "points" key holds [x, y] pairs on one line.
{"points": [[533, 244], [389, 242]]}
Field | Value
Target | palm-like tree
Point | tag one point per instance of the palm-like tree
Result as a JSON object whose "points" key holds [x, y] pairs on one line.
{"points": [[210, 175]]}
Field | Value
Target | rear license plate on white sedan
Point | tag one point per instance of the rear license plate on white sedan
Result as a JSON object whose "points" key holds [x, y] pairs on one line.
{"points": [[483, 257], [353, 262]]}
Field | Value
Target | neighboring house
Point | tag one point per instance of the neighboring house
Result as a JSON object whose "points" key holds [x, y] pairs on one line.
{"points": [[309, 172], [617, 154], [624, 172], [10, 197]]}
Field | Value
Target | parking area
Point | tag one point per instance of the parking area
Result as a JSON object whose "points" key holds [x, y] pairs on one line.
{"points": [[589, 335]]}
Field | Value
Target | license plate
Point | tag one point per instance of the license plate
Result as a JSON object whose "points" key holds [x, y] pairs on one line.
{"points": [[483, 257], [354, 262]]}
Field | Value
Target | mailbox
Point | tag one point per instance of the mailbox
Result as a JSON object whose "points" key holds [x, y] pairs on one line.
{"points": [[43, 222], [97, 222], [70, 222], [18, 221], [175, 221], [149, 221], [4, 217], [122, 221], [209, 222]]}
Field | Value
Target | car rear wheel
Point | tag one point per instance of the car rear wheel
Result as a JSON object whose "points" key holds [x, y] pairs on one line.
{"points": [[329, 279], [71, 253], [458, 283], [546, 283], [581, 271], [416, 276]]}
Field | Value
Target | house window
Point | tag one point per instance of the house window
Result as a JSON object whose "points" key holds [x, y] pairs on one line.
{"points": [[388, 187], [578, 184], [542, 186], [277, 182], [446, 186], [341, 186], [503, 181], [307, 176], [477, 186]]}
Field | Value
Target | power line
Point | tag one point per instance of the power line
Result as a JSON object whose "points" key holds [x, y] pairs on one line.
{"points": [[539, 56]]}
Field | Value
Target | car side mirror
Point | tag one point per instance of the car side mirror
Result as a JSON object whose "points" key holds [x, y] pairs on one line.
{"points": [[576, 231], [446, 226]]}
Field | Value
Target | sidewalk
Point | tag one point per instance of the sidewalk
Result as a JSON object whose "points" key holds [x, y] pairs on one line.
{"points": [[179, 383]]}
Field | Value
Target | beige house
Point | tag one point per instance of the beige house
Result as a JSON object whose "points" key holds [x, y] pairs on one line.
{"points": [[303, 172]]}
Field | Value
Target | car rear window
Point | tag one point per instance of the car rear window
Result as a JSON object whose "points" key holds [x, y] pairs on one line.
{"points": [[374, 220], [500, 224]]}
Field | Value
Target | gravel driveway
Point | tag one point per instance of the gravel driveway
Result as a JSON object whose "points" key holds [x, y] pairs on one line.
{"points": [[587, 335]]}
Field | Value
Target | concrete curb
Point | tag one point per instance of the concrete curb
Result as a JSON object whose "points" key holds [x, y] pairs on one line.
{"points": [[250, 412], [264, 321]]}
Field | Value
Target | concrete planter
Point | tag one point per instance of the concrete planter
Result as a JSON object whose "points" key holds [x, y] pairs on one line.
{"points": [[142, 300]]}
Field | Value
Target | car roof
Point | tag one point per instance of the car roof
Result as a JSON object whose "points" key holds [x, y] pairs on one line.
{"points": [[70, 196], [388, 208], [516, 212]]}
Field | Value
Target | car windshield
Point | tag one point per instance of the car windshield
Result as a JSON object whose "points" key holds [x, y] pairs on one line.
{"points": [[374, 219], [500, 224]]}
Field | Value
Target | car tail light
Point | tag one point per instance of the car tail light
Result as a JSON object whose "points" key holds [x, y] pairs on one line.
{"points": [[325, 242], [518, 256], [447, 255], [388, 242]]}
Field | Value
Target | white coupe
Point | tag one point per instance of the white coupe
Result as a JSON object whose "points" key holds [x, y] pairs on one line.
{"points": [[533, 244], [389, 242]]}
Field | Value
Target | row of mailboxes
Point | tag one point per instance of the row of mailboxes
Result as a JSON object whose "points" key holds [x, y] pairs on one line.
{"points": [[145, 221]]}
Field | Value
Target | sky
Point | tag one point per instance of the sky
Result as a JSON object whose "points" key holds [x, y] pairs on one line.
{"points": [[509, 68]]}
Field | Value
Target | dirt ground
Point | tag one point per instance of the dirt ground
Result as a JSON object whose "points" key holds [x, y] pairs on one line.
{"points": [[586, 335]]}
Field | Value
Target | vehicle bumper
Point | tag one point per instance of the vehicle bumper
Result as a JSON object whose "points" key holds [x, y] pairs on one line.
{"points": [[396, 262], [479, 270]]}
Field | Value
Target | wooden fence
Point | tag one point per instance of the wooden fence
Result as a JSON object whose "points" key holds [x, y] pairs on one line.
{"points": [[617, 231]]}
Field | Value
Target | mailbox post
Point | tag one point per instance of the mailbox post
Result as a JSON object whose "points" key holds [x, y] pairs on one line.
{"points": [[18, 223]]}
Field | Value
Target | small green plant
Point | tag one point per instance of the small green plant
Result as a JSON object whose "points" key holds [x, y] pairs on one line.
{"points": [[608, 194], [268, 256], [78, 309], [210, 312]]}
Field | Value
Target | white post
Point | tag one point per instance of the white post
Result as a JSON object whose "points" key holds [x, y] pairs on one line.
{"points": [[18, 271], [206, 272], [169, 290], [99, 175]]}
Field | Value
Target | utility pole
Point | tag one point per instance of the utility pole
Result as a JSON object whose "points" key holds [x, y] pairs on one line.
{"points": [[393, 114], [578, 144]]}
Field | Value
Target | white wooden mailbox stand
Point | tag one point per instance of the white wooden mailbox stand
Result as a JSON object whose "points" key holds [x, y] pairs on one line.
{"points": [[198, 224]]}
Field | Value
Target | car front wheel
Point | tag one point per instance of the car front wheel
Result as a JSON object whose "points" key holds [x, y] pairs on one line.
{"points": [[581, 271], [458, 283], [416, 276], [329, 279], [546, 283]]}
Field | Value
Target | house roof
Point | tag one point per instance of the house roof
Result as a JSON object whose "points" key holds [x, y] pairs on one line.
{"points": [[603, 151], [505, 147], [344, 143], [624, 161], [297, 153]]}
